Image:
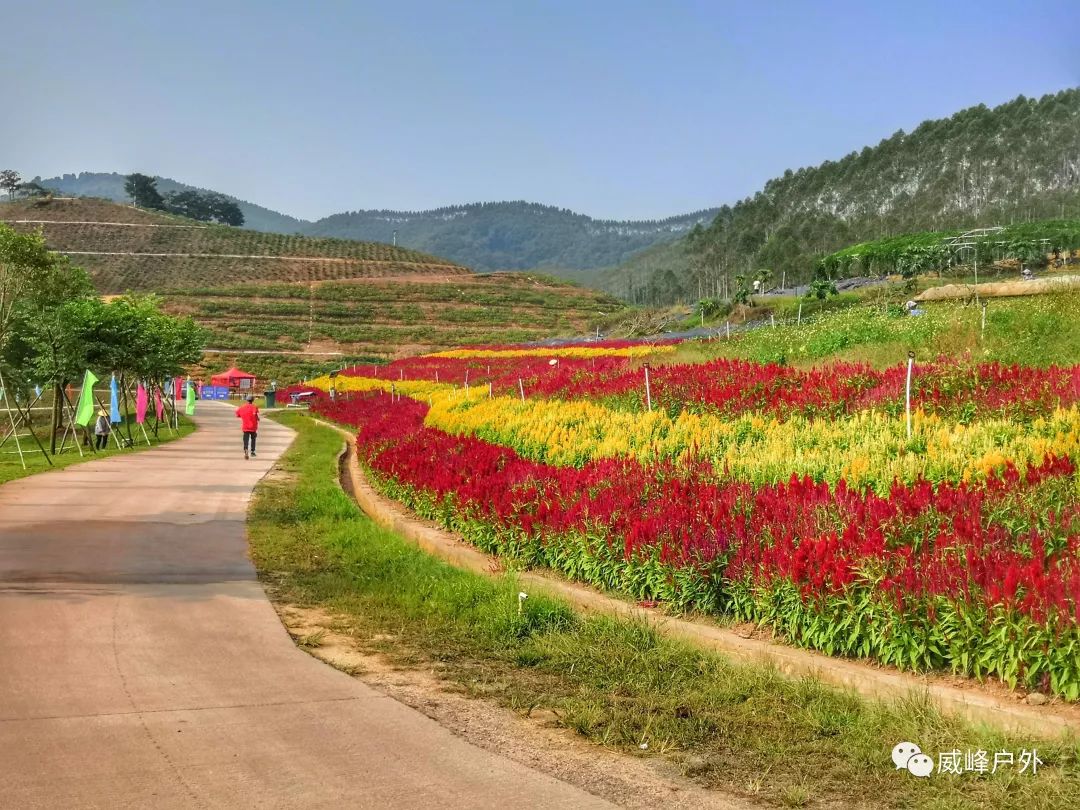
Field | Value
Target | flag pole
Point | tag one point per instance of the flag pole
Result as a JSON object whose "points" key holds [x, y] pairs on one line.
{"points": [[11, 419]]}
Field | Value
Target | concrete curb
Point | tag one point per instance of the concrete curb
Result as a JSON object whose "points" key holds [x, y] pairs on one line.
{"points": [[971, 704]]}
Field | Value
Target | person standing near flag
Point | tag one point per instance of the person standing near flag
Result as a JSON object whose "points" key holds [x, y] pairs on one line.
{"points": [[102, 429], [248, 414]]}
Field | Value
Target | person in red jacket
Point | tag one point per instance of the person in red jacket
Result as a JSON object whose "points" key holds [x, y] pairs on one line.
{"points": [[248, 414]]}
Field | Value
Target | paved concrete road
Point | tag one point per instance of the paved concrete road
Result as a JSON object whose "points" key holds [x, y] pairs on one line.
{"points": [[141, 665]]}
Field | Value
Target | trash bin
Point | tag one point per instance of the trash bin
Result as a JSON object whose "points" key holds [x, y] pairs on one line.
{"points": [[271, 398]]}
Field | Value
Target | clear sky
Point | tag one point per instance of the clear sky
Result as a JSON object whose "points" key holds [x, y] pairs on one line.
{"points": [[617, 109]]}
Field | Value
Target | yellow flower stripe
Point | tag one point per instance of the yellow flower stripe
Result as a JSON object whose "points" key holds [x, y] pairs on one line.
{"points": [[581, 352], [867, 449], [416, 389]]}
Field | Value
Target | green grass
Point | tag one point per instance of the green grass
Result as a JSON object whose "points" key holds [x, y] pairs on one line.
{"points": [[1037, 330], [743, 729], [782, 307], [10, 468], [300, 309]]}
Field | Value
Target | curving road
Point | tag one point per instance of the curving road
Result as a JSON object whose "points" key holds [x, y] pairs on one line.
{"points": [[142, 666]]}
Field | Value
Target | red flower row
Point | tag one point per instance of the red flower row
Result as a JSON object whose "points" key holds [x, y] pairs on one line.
{"points": [[732, 387], [921, 541]]}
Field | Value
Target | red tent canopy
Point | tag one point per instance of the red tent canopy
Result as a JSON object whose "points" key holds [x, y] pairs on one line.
{"points": [[232, 378]]}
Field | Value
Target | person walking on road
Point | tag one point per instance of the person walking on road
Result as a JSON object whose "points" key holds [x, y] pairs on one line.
{"points": [[248, 414], [102, 429]]}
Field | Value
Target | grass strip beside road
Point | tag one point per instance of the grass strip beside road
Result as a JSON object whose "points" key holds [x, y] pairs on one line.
{"points": [[11, 469], [742, 729]]}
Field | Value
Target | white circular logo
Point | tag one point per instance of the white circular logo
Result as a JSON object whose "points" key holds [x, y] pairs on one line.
{"points": [[908, 756], [902, 752], [920, 765]]}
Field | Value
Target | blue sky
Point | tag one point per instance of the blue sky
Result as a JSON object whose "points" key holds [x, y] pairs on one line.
{"points": [[615, 109]]}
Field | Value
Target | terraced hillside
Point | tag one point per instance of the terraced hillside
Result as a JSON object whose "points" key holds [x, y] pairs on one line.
{"points": [[125, 248], [391, 316], [288, 306]]}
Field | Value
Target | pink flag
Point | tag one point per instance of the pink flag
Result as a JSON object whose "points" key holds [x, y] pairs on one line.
{"points": [[159, 406], [141, 404]]}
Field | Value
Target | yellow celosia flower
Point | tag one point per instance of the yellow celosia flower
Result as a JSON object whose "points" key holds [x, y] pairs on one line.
{"points": [[866, 448], [583, 352]]}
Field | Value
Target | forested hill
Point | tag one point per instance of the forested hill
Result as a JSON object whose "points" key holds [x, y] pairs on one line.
{"points": [[110, 186], [485, 236], [980, 167], [510, 235]]}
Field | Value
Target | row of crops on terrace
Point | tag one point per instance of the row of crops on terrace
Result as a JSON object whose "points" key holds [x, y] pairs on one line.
{"points": [[266, 337], [391, 336], [496, 289], [218, 239], [382, 316], [211, 308], [117, 274], [379, 339]]}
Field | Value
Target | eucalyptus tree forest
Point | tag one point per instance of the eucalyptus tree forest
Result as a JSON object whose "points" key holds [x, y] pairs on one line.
{"points": [[1006, 165]]}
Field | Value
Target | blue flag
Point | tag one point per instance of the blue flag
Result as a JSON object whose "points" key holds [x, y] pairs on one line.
{"points": [[114, 401]]}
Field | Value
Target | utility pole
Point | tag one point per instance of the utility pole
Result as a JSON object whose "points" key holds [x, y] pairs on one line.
{"points": [[976, 266]]}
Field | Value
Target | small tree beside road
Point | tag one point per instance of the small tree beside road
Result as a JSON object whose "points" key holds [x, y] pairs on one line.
{"points": [[53, 325]]}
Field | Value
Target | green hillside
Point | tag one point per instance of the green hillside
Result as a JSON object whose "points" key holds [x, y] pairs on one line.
{"points": [[293, 331], [1016, 162], [511, 235], [981, 167], [125, 248], [282, 306], [484, 236], [110, 186]]}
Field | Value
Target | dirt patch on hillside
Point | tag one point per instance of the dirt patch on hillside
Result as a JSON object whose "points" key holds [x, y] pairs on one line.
{"points": [[452, 275], [67, 209], [322, 347]]}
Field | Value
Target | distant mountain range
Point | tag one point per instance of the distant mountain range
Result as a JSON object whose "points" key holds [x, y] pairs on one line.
{"points": [[1015, 162], [484, 236], [511, 235]]}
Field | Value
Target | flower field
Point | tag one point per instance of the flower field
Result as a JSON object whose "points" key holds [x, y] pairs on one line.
{"points": [[790, 498], [603, 349]]}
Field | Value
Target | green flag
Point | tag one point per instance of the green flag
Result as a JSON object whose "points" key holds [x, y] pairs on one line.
{"points": [[189, 409], [84, 414]]}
